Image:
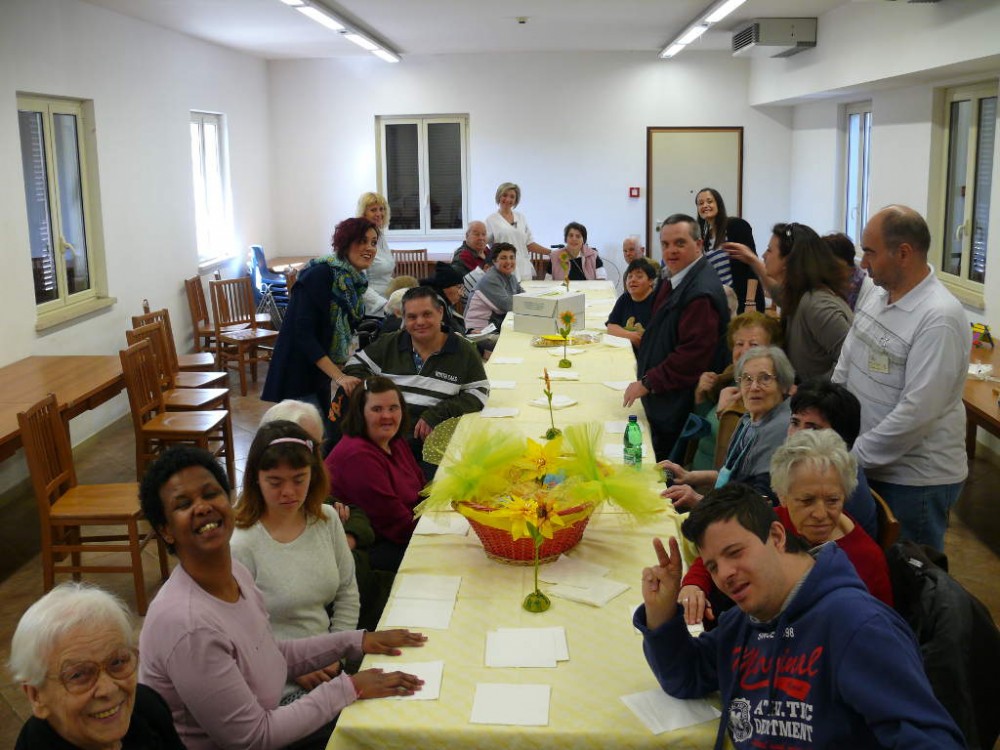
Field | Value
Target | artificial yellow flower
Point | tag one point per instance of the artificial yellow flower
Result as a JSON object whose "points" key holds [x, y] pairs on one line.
{"points": [[548, 519], [567, 318], [548, 381], [521, 511], [538, 459]]}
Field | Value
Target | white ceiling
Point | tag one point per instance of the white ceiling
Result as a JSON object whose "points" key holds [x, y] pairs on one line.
{"points": [[271, 30]]}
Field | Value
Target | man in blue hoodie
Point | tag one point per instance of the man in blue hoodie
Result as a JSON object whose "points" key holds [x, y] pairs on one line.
{"points": [[807, 659]]}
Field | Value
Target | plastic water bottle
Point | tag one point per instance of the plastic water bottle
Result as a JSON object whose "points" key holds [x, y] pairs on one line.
{"points": [[632, 451]]}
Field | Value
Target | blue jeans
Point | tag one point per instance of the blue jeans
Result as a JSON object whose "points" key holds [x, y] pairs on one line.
{"points": [[922, 511]]}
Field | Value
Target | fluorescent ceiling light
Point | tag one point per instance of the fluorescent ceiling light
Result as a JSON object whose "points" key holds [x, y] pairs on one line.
{"points": [[320, 17], [360, 41], [711, 15], [293, 3], [672, 50], [691, 34], [721, 12], [386, 55]]}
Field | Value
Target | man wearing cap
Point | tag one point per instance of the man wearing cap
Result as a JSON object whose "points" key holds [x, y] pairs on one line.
{"points": [[447, 282], [440, 374]]}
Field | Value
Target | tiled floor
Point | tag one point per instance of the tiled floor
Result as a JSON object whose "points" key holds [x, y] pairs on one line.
{"points": [[972, 542]]}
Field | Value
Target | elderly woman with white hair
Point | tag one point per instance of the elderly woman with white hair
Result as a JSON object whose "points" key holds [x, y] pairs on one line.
{"points": [[813, 474], [74, 655], [765, 378]]}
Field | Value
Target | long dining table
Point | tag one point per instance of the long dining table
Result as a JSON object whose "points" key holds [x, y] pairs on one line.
{"points": [[80, 382], [605, 651]]}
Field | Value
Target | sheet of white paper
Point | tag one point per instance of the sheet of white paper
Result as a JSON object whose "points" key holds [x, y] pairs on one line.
{"points": [[615, 427], [617, 385], [516, 705], [428, 671], [442, 523], [571, 571], [499, 412], [570, 351], [663, 713], [503, 385], [520, 647], [613, 451], [419, 586], [563, 375], [559, 401], [558, 633], [600, 592], [419, 613], [616, 341], [506, 360]]}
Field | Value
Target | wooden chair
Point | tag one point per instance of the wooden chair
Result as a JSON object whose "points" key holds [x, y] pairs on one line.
{"points": [[411, 263], [195, 361], [177, 378], [176, 399], [539, 261], [203, 328], [232, 305], [64, 506], [156, 428], [888, 525]]}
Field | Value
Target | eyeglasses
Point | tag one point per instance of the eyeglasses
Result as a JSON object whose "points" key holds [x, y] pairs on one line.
{"points": [[82, 676], [763, 380]]}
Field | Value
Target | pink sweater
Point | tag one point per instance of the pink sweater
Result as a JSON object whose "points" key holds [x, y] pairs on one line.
{"points": [[221, 671]]}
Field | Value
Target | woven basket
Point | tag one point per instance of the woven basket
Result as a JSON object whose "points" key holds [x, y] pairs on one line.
{"points": [[499, 545]]}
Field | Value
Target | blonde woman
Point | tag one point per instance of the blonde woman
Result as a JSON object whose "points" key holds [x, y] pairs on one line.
{"points": [[508, 225], [375, 208]]}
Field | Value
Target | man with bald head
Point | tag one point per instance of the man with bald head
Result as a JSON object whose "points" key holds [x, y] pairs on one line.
{"points": [[906, 358], [472, 254]]}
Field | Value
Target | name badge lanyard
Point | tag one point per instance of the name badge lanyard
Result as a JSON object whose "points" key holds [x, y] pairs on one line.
{"points": [[735, 454]]}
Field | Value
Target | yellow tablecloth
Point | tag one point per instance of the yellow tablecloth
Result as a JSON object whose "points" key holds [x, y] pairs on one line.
{"points": [[606, 660]]}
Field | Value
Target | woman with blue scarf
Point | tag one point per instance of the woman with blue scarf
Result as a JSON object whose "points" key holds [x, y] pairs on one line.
{"points": [[326, 306]]}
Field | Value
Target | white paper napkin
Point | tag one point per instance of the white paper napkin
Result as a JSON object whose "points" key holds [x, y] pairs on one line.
{"points": [[503, 385], [506, 360], [499, 412], [559, 401], [558, 633], [420, 613], [597, 594], [442, 523], [517, 705], [617, 385], [520, 647], [570, 351], [571, 571], [428, 671], [663, 713], [420, 586], [563, 375]]}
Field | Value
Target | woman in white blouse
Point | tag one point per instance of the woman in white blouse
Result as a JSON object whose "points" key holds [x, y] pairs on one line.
{"points": [[508, 225], [375, 208]]}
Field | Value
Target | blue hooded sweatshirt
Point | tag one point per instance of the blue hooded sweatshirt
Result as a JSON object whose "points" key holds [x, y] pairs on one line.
{"points": [[836, 669]]}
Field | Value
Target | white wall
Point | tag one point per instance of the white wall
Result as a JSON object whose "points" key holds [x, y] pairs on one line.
{"points": [[570, 129], [143, 81]]}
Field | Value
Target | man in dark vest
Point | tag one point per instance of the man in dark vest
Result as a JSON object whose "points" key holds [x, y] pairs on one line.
{"points": [[684, 338]]}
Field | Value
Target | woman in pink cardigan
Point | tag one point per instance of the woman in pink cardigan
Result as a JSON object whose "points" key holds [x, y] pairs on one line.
{"points": [[577, 259], [206, 645]]}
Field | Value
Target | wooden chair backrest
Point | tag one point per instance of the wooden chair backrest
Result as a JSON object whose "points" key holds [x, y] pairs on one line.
{"points": [[145, 395], [196, 301], [539, 261], [232, 303], [47, 452], [888, 525], [169, 345], [153, 333], [411, 263]]}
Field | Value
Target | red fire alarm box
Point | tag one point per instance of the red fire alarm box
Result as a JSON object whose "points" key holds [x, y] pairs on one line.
{"points": [[633, 192]]}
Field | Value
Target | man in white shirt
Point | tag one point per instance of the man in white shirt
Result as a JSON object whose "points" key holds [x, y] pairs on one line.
{"points": [[906, 358]]}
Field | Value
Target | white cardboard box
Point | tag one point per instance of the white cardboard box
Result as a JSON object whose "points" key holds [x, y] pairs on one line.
{"points": [[538, 312]]}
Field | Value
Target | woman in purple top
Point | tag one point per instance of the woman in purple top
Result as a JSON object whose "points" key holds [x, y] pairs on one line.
{"points": [[206, 646]]}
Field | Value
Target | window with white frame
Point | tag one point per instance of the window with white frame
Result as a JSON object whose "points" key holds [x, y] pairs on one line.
{"points": [[970, 143], [858, 122], [423, 174], [58, 160], [213, 219]]}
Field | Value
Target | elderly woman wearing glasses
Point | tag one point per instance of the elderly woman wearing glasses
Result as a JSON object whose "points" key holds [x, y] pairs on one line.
{"points": [[74, 655], [765, 377]]}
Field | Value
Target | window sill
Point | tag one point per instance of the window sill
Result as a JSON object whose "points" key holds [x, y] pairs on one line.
{"points": [[72, 312], [211, 265], [970, 297]]}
